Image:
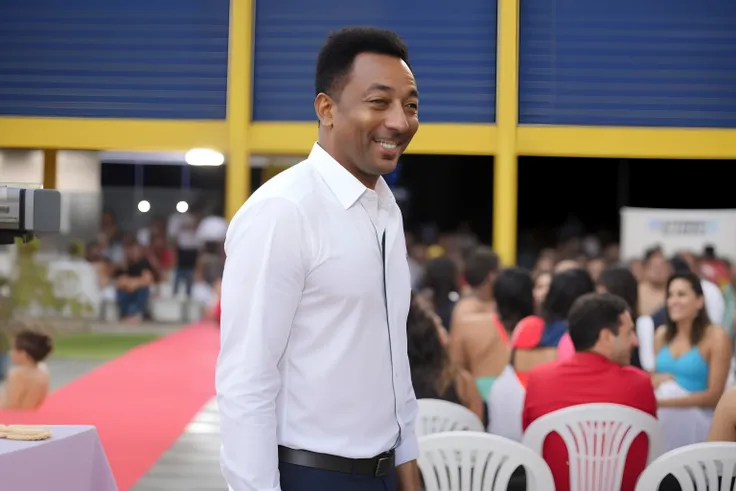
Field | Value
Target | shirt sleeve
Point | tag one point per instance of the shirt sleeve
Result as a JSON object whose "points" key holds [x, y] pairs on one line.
{"points": [[408, 448], [262, 285]]}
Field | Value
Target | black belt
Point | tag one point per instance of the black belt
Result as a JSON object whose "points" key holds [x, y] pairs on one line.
{"points": [[377, 466]]}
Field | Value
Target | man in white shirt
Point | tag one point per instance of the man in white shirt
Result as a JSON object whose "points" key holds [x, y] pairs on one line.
{"points": [[313, 379]]}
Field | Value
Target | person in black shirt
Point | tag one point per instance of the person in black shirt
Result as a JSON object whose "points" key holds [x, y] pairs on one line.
{"points": [[133, 283]]}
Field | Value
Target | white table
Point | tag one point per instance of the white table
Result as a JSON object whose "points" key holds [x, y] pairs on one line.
{"points": [[71, 460]]}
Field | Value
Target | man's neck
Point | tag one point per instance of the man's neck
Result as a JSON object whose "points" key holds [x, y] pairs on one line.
{"points": [[365, 179], [482, 295], [656, 287]]}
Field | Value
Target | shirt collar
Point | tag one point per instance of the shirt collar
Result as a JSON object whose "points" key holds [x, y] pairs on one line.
{"points": [[345, 186], [590, 358]]}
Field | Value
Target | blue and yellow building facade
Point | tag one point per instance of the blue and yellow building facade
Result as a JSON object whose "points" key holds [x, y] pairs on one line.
{"points": [[498, 78]]}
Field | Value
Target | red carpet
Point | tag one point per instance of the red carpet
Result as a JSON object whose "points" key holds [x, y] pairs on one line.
{"points": [[140, 402]]}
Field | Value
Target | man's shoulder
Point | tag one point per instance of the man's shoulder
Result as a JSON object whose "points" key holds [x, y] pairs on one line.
{"points": [[293, 183], [548, 371], [633, 375], [285, 191]]}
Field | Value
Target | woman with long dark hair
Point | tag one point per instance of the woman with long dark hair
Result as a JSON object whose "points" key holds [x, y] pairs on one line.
{"points": [[441, 286], [433, 374], [620, 281], [692, 351]]}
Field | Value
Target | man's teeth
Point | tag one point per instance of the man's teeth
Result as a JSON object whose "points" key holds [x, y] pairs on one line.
{"points": [[388, 145]]}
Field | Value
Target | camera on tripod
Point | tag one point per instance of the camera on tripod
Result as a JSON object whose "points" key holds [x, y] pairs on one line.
{"points": [[28, 212]]}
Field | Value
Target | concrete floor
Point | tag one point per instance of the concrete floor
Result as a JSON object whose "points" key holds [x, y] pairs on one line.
{"points": [[64, 371], [192, 463]]}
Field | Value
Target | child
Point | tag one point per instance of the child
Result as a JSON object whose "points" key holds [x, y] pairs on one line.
{"points": [[27, 384]]}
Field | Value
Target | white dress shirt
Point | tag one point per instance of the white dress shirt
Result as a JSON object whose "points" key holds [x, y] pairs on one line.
{"points": [[313, 355]]}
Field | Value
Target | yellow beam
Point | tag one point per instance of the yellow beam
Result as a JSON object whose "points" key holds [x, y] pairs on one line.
{"points": [[237, 184], [112, 134], [289, 138], [505, 176], [623, 142], [49, 169]]}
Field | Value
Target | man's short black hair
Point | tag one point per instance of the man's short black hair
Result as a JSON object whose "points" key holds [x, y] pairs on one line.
{"points": [[652, 252], [591, 314], [335, 59], [480, 263]]}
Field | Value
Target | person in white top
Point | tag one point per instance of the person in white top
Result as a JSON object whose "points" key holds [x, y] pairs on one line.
{"points": [[313, 381]]}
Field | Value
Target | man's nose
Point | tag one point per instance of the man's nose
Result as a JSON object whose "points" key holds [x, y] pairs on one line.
{"points": [[634, 341], [396, 119]]}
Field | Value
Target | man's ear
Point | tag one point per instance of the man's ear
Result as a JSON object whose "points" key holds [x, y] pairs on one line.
{"points": [[323, 106], [605, 336]]}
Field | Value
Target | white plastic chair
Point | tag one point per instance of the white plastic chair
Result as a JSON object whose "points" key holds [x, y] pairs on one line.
{"points": [[467, 461], [696, 467], [436, 416], [598, 438]]}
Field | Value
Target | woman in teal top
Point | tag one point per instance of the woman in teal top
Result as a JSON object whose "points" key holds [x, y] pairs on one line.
{"points": [[691, 350]]}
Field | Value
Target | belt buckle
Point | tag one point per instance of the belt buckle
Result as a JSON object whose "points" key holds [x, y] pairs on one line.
{"points": [[382, 466]]}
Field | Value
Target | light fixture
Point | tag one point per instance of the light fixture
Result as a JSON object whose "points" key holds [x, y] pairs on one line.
{"points": [[201, 157], [182, 206], [144, 206]]}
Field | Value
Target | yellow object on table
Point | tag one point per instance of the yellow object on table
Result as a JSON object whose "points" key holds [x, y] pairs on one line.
{"points": [[25, 433]]}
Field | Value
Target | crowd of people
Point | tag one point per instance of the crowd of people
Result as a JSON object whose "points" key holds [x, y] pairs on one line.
{"points": [[513, 345], [181, 256]]}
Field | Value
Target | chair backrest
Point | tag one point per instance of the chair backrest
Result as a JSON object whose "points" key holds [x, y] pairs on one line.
{"points": [[436, 416], [598, 438], [697, 467], [468, 461]]}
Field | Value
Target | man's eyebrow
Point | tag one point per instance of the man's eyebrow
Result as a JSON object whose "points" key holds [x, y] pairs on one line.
{"points": [[381, 87], [385, 88]]}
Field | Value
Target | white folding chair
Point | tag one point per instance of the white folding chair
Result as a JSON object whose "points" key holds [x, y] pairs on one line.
{"points": [[469, 461], [696, 467], [598, 438], [437, 416]]}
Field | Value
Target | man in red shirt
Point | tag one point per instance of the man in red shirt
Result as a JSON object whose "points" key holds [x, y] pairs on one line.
{"points": [[602, 331]]}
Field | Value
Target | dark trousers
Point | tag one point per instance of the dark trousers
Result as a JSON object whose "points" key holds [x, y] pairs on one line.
{"points": [[132, 303], [186, 276], [298, 478]]}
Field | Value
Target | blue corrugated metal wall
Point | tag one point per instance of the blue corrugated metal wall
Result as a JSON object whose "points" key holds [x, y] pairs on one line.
{"points": [[628, 62], [452, 50], [106, 58]]}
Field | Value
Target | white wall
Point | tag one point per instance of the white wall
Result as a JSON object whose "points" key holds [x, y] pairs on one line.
{"points": [[78, 180], [78, 171], [21, 166]]}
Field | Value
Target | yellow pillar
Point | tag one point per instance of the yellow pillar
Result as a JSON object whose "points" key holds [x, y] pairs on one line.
{"points": [[49, 169], [237, 183], [505, 178]]}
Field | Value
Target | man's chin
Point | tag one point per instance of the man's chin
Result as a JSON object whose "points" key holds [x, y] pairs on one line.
{"points": [[384, 167]]}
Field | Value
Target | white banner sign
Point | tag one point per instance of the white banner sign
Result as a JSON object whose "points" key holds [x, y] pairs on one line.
{"points": [[677, 231]]}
